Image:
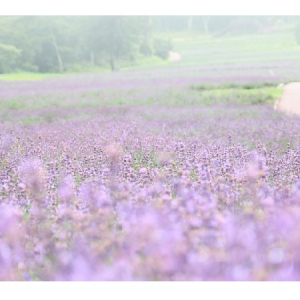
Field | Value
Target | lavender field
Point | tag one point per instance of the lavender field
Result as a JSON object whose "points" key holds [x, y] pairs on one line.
{"points": [[137, 176]]}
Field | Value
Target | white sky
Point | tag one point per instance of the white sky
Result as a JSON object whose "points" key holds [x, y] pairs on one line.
{"points": [[154, 7]]}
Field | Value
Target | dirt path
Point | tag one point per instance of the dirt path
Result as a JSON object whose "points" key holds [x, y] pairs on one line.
{"points": [[174, 56], [290, 99]]}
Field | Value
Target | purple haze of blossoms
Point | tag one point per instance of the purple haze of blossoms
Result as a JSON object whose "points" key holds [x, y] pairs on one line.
{"points": [[147, 193], [137, 199]]}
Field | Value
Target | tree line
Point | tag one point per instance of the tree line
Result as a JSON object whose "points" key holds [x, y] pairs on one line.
{"points": [[64, 43]]}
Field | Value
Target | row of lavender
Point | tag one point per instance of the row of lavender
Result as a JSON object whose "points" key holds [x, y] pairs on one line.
{"points": [[158, 78], [188, 194]]}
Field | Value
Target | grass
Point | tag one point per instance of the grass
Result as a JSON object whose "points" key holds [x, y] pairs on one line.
{"points": [[203, 50], [234, 49], [242, 96], [239, 93], [27, 76], [233, 85], [147, 63]]}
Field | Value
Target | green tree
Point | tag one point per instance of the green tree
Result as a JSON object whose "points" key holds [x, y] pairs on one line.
{"points": [[8, 57], [117, 37], [50, 31]]}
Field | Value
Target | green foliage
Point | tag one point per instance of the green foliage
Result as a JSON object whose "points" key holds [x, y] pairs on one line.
{"points": [[56, 43], [8, 57], [49, 44], [146, 48], [244, 26], [162, 47], [118, 38]]}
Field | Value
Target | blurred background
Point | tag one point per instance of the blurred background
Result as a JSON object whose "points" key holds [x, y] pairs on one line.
{"points": [[86, 44]]}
